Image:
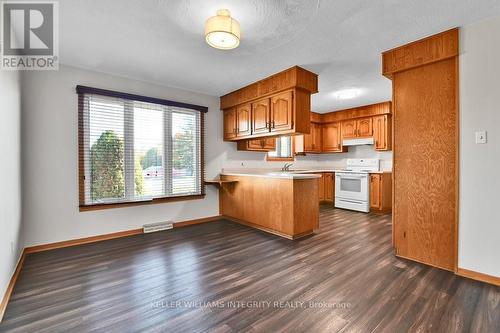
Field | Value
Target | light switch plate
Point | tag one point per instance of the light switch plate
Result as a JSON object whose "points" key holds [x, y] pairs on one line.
{"points": [[480, 137]]}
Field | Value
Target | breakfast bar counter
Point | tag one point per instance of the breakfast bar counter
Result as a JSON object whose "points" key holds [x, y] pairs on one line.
{"points": [[281, 203]]}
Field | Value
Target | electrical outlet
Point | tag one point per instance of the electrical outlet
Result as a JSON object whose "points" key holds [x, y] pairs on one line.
{"points": [[481, 137]]}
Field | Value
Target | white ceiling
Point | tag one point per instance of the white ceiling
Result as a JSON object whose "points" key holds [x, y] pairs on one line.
{"points": [[341, 40]]}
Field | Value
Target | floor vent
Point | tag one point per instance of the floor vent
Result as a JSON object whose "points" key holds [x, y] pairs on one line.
{"points": [[153, 227]]}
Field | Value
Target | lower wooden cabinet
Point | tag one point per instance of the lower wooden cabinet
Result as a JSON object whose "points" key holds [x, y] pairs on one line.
{"points": [[381, 192], [265, 144], [326, 188]]}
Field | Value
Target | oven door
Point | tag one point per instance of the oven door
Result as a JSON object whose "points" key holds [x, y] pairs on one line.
{"points": [[351, 186]]}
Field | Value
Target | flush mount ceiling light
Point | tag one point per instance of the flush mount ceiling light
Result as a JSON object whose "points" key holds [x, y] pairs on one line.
{"points": [[222, 31], [347, 93]]}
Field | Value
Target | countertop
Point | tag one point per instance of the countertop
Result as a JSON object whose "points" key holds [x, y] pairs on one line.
{"points": [[294, 173]]}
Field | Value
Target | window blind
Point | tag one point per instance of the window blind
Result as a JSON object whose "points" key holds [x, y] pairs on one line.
{"points": [[134, 150]]}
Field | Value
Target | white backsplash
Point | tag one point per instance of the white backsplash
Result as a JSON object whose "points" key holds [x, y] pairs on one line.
{"points": [[243, 159]]}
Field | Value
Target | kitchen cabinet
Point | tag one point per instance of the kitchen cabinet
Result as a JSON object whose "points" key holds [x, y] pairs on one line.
{"points": [[321, 188], [261, 116], [364, 127], [382, 130], [381, 192], [230, 124], [326, 187], [279, 104], [329, 190], [243, 120], [332, 138], [349, 129], [312, 141], [357, 128], [264, 144], [282, 112]]}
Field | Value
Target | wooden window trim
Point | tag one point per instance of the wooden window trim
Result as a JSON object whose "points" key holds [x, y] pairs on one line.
{"points": [[81, 90]]}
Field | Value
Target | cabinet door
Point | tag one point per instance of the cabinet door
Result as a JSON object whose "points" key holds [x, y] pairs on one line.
{"points": [[364, 127], [381, 132], [256, 144], [269, 143], [260, 116], [329, 188], [321, 188], [282, 112], [331, 138], [349, 129], [243, 122], [375, 193], [229, 124], [312, 141]]}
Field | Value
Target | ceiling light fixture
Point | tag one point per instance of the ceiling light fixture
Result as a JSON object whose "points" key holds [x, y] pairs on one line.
{"points": [[347, 93], [222, 31]]}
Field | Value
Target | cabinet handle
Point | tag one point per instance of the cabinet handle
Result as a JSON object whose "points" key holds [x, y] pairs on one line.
{"points": [[274, 124]]}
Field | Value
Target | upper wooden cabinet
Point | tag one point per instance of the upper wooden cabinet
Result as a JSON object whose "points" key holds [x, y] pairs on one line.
{"points": [[332, 138], [243, 120], [261, 115], [264, 144], [279, 104], [364, 127], [357, 128], [230, 124], [312, 141], [282, 112], [382, 130]]}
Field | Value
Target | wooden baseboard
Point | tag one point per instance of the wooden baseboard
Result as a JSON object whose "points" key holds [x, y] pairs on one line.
{"points": [[197, 221], [495, 280], [80, 241], [12, 282], [120, 234]]}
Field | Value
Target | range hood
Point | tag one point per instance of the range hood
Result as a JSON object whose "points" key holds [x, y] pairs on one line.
{"points": [[358, 142]]}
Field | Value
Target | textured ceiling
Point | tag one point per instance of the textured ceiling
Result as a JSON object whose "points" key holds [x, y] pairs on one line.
{"points": [[341, 40]]}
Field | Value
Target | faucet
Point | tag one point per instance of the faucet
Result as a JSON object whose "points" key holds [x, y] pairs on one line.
{"points": [[286, 167]]}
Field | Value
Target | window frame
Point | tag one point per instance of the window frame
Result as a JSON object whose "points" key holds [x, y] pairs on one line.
{"points": [[283, 159], [81, 91]]}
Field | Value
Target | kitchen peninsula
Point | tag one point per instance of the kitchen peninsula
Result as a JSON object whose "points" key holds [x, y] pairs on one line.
{"points": [[282, 203]]}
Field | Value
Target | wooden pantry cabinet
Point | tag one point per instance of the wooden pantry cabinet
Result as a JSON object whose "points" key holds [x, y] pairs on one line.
{"points": [[277, 105]]}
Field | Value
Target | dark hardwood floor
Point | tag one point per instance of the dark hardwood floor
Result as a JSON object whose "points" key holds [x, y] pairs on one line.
{"points": [[222, 275]]}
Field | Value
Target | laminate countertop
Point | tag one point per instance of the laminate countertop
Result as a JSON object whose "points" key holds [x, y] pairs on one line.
{"points": [[298, 173]]}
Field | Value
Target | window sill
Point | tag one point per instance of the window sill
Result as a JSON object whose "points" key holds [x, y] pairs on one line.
{"points": [[86, 208]]}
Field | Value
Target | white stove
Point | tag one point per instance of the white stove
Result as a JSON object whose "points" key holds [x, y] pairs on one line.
{"points": [[352, 189]]}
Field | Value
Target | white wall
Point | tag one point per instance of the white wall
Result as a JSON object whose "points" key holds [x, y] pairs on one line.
{"points": [[50, 158], [479, 222], [11, 240]]}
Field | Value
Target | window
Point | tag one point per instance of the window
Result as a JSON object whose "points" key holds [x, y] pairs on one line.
{"points": [[136, 149], [284, 150]]}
